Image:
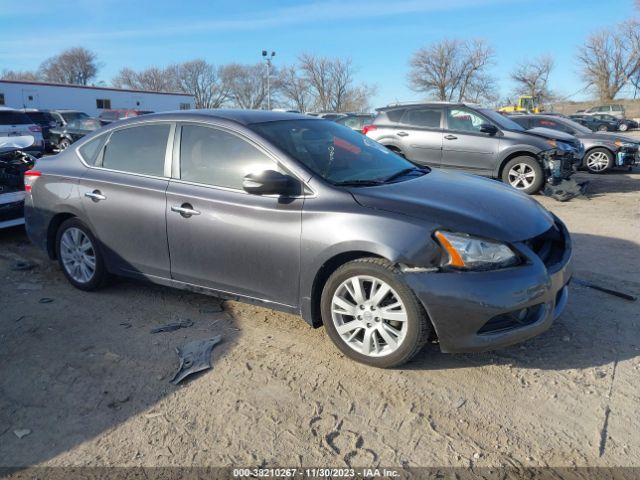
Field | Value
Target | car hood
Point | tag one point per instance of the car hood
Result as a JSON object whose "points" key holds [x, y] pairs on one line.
{"points": [[463, 203], [609, 137], [552, 134]]}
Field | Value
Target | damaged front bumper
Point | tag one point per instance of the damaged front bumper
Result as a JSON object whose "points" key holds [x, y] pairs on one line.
{"points": [[478, 311], [560, 164]]}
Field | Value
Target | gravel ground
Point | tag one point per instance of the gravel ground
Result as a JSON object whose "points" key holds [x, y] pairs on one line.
{"points": [[85, 381]]}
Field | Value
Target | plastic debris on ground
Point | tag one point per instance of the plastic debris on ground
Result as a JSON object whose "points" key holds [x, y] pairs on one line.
{"points": [[194, 357], [565, 190], [173, 326]]}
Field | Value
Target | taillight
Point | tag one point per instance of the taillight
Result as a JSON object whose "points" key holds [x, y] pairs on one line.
{"points": [[30, 177], [368, 128], [35, 128]]}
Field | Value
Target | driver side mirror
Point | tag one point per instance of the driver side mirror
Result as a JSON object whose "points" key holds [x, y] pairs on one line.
{"points": [[488, 128], [269, 182]]}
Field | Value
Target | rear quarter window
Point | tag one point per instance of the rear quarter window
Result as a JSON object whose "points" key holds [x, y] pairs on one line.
{"points": [[90, 150], [137, 150]]}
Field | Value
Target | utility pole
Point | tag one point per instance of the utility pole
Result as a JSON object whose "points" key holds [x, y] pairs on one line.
{"points": [[267, 58]]}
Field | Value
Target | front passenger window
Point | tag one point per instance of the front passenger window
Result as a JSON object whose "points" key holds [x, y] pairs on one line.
{"points": [[137, 150], [219, 158], [463, 119]]}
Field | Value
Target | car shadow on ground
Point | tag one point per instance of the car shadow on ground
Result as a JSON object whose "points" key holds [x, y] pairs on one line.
{"points": [[75, 364]]}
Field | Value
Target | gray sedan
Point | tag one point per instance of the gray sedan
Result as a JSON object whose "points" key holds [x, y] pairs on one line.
{"points": [[603, 151], [305, 216]]}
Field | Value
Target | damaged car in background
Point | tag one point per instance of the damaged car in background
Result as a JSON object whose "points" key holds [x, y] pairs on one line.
{"points": [[14, 162], [603, 151], [470, 139], [309, 217]]}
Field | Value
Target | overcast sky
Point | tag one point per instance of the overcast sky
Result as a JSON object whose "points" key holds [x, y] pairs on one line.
{"points": [[380, 36]]}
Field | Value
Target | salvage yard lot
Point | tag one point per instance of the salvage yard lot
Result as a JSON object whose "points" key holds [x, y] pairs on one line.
{"points": [[84, 375]]}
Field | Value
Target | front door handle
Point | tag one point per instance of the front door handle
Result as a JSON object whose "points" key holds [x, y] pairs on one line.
{"points": [[96, 196], [450, 137], [186, 210], [402, 134]]}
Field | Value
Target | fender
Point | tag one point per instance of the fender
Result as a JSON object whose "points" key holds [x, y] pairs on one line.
{"points": [[516, 149]]}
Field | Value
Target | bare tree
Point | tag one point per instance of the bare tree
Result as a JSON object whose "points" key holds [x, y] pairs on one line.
{"points": [[532, 77], [294, 89], [24, 76], [610, 59], [452, 69], [73, 66], [208, 84], [153, 79], [247, 84], [331, 83]]}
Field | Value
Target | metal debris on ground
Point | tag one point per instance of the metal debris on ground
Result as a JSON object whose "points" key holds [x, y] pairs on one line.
{"points": [[22, 265], [565, 190], [615, 293], [173, 326], [194, 357]]}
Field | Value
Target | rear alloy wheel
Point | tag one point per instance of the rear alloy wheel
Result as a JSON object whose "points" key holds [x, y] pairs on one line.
{"points": [[64, 144], [623, 127], [371, 315], [524, 174], [79, 256], [602, 128], [598, 160]]}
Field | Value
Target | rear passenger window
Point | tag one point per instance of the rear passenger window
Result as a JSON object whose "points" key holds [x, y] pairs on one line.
{"points": [[89, 151], [219, 158], [395, 115], [423, 117], [137, 150]]}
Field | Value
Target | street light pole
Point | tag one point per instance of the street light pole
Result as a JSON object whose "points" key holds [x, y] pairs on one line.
{"points": [[268, 59]]}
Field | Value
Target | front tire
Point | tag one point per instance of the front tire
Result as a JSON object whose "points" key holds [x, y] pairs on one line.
{"points": [[371, 315], [602, 128], [524, 174], [623, 127], [64, 144], [598, 160], [79, 256]]}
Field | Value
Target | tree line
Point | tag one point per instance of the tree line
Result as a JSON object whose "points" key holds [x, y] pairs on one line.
{"points": [[449, 70], [313, 83]]}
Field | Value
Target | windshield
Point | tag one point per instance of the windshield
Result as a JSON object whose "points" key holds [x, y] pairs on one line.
{"points": [[69, 116], [500, 120], [574, 125], [336, 153]]}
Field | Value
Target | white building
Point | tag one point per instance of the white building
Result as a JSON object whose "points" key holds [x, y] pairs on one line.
{"points": [[91, 100]]}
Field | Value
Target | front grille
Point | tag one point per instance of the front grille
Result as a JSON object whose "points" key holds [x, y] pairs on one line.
{"points": [[549, 246]]}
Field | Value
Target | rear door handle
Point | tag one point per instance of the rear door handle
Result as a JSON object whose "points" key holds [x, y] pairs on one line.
{"points": [[450, 137], [186, 210], [402, 134], [96, 196]]}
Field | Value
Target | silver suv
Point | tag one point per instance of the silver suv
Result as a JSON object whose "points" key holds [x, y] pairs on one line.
{"points": [[470, 139]]}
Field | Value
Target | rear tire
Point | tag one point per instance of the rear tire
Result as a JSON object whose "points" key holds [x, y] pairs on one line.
{"points": [[64, 144], [602, 128], [623, 127], [79, 256], [371, 315], [524, 174], [598, 160]]}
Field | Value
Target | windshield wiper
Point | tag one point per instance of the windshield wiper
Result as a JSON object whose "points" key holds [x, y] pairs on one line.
{"points": [[404, 172], [359, 183]]}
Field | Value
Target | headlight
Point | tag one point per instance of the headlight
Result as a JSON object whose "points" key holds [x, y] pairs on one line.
{"points": [[620, 144], [472, 253]]}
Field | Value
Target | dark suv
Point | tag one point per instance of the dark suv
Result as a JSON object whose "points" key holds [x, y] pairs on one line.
{"points": [[476, 140]]}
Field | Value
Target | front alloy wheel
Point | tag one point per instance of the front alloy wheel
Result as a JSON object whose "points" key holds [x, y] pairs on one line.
{"points": [[369, 316], [524, 174], [372, 315], [599, 160]]}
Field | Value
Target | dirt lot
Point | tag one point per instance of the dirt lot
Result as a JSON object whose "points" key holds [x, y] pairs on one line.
{"points": [[91, 384]]}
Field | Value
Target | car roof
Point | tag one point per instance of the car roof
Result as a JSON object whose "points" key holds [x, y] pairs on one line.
{"points": [[394, 106], [242, 117]]}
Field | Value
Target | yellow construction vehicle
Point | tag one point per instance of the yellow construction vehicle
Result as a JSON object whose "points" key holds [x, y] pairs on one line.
{"points": [[526, 103]]}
